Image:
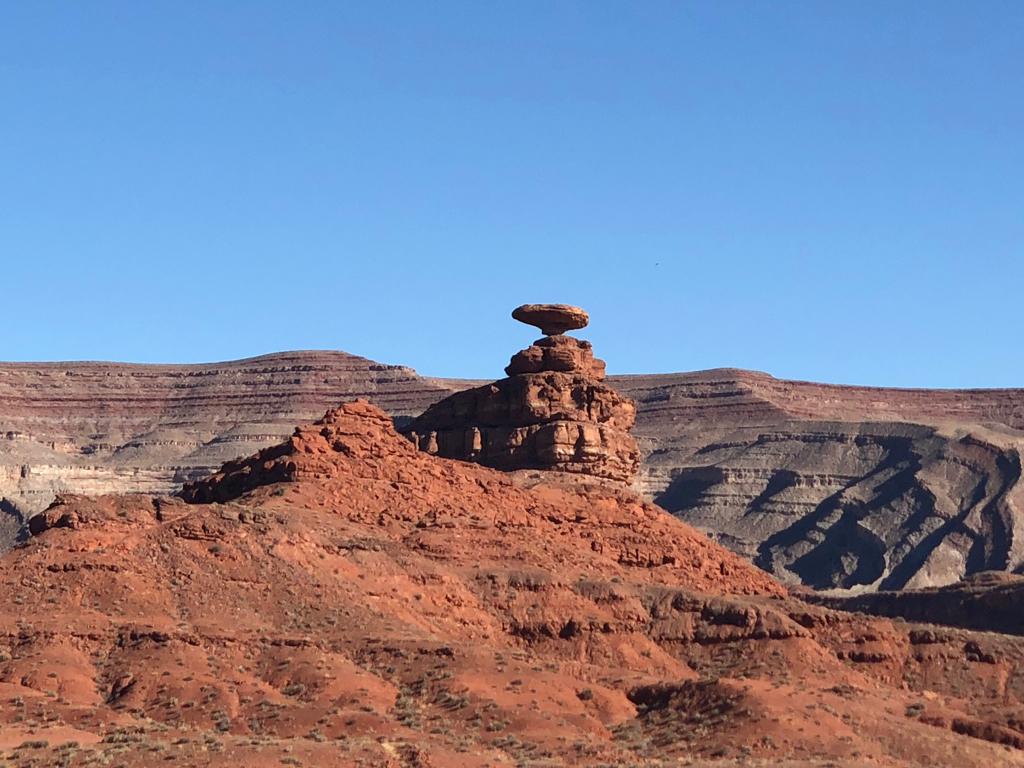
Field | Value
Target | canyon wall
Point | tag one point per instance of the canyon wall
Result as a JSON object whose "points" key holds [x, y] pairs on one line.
{"points": [[854, 488], [96, 428]]}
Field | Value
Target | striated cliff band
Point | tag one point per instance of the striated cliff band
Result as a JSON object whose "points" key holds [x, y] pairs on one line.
{"points": [[96, 428], [854, 488]]}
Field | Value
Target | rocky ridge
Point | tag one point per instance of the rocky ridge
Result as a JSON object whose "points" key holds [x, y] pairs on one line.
{"points": [[838, 487], [96, 428], [989, 601], [350, 600]]}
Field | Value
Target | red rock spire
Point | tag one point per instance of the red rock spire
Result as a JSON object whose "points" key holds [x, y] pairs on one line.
{"points": [[552, 412]]}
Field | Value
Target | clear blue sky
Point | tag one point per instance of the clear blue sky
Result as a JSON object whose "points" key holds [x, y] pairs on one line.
{"points": [[830, 191]]}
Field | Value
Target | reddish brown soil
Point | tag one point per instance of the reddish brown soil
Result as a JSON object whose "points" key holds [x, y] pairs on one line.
{"points": [[347, 600]]}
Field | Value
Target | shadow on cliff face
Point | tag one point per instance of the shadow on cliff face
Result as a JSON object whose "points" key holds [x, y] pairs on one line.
{"points": [[849, 556], [829, 548], [990, 536], [688, 488], [12, 525], [888, 507], [402, 421], [835, 546]]}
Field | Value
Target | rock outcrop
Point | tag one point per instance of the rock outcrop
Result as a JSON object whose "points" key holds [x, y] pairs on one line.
{"points": [[832, 486], [989, 601], [552, 413], [552, 319], [96, 428], [352, 601]]}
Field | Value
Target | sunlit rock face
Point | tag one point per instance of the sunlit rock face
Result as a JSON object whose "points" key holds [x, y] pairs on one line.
{"points": [[553, 412], [93, 428]]}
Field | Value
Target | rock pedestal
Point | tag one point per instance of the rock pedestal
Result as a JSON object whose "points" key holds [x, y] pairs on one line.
{"points": [[553, 412], [561, 354]]}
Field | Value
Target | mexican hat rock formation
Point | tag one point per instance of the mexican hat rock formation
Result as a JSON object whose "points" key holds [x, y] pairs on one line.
{"points": [[553, 411]]}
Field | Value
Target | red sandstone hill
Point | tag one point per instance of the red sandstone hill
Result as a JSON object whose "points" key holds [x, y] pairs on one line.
{"points": [[854, 488], [345, 600], [115, 428]]}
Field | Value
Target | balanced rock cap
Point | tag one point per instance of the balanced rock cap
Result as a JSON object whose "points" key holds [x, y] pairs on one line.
{"points": [[552, 319]]}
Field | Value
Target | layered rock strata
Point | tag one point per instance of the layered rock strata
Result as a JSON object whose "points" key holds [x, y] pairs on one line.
{"points": [[845, 487], [836, 487], [347, 600], [94, 428], [858, 505], [989, 601], [552, 413]]}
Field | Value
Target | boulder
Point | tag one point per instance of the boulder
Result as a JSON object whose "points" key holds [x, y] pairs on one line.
{"points": [[552, 319]]}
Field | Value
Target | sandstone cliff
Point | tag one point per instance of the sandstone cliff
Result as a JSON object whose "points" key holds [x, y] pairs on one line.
{"points": [[96, 428], [849, 487]]}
